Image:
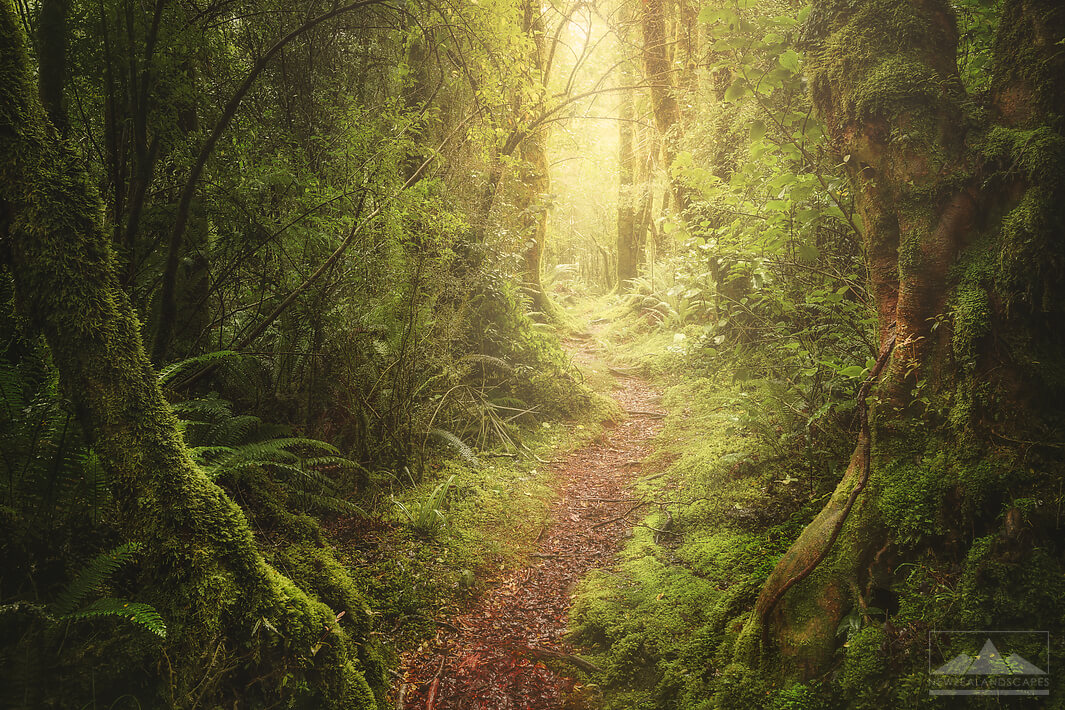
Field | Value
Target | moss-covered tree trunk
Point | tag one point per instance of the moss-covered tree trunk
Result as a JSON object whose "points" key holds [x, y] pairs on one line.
{"points": [[536, 178], [536, 182], [962, 211], [201, 568], [659, 74]]}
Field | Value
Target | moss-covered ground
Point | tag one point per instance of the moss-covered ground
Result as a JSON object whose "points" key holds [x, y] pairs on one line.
{"points": [[664, 622]]}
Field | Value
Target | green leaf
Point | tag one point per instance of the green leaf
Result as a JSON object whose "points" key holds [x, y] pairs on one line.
{"points": [[807, 252], [737, 90], [789, 60], [757, 131]]}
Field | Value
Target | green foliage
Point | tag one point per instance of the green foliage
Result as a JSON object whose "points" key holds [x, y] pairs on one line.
{"points": [[863, 664], [665, 618], [427, 515], [460, 447], [228, 446], [143, 615]]}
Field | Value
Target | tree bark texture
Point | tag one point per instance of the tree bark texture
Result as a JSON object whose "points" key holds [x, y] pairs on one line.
{"points": [[658, 71], [627, 243]]}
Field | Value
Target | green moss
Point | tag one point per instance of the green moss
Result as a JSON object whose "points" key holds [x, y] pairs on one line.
{"points": [[858, 72], [972, 320], [863, 661], [910, 496], [896, 84], [1004, 588], [739, 686], [1036, 154]]}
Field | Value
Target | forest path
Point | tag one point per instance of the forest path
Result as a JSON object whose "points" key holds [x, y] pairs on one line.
{"points": [[491, 657]]}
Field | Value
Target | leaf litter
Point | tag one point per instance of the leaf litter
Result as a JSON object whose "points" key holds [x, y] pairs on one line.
{"points": [[493, 656]]}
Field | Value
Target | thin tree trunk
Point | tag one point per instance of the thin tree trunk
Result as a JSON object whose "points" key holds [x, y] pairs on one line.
{"points": [[627, 243], [168, 290]]}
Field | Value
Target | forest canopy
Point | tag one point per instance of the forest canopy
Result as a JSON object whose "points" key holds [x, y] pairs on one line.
{"points": [[319, 317]]}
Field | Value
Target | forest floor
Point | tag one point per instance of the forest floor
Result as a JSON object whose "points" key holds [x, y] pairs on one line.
{"points": [[508, 650]]}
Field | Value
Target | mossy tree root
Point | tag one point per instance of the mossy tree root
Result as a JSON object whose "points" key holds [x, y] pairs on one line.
{"points": [[773, 591], [201, 568]]}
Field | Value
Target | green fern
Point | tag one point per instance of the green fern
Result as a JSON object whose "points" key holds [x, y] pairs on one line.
{"points": [[460, 447], [226, 446], [144, 615], [169, 373], [90, 578]]}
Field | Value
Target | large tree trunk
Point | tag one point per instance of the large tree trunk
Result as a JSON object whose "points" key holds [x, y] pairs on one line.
{"points": [[201, 568], [659, 74], [52, 41], [935, 184]]}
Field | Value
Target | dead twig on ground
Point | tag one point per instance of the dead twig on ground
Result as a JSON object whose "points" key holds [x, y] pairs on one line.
{"points": [[577, 661], [624, 515], [434, 688]]}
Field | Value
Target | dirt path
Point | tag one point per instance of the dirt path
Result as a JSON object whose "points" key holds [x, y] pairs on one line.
{"points": [[491, 657]]}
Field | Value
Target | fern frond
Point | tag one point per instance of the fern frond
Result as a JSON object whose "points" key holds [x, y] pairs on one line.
{"points": [[314, 501], [337, 462], [205, 409], [144, 615], [92, 576], [97, 482], [170, 372], [460, 446], [12, 391], [232, 431], [511, 403]]}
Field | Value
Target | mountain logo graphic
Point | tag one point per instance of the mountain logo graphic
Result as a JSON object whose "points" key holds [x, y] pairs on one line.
{"points": [[988, 662]]}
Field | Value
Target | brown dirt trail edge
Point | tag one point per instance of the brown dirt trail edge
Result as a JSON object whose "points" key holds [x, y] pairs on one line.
{"points": [[489, 659]]}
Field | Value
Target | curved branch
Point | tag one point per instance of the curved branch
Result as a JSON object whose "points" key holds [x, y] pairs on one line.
{"points": [[167, 302]]}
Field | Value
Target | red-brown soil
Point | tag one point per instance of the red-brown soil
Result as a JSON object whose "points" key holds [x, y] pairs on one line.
{"points": [[490, 657]]}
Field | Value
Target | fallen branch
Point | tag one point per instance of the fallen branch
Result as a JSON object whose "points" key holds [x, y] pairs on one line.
{"points": [[577, 661], [622, 516], [639, 413], [401, 697], [434, 687]]}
